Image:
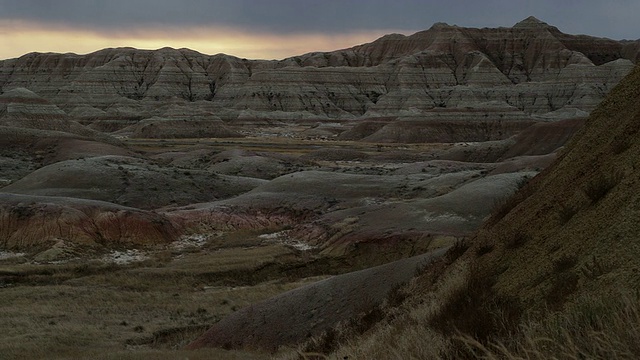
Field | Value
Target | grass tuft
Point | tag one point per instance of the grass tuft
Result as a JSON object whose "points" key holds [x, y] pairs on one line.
{"points": [[606, 327]]}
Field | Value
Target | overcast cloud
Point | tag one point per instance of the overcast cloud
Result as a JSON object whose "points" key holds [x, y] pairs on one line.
{"points": [[616, 19], [275, 29]]}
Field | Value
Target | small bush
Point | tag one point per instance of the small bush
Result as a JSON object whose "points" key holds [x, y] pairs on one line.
{"points": [[484, 249], [566, 213], [517, 240], [564, 263], [138, 329], [397, 295], [620, 145], [599, 187], [459, 248], [564, 285]]}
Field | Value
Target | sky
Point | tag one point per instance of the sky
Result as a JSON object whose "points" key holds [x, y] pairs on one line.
{"points": [[275, 29]]}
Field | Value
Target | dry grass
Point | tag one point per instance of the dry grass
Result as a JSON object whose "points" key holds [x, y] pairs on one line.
{"points": [[404, 331], [58, 320], [145, 310], [591, 328]]}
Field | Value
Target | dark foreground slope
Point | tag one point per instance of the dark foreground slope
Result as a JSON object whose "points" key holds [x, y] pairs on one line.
{"points": [[297, 315], [560, 258]]}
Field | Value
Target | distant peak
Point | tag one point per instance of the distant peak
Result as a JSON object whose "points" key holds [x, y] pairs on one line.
{"points": [[441, 25], [531, 22]]}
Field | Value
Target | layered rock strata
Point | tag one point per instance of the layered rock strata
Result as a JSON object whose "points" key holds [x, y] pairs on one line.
{"points": [[531, 68]]}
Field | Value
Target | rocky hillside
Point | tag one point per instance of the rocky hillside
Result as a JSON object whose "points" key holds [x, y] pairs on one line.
{"points": [[443, 72]]}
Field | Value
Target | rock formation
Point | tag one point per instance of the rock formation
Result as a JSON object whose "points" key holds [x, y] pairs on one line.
{"points": [[502, 73], [558, 257]]}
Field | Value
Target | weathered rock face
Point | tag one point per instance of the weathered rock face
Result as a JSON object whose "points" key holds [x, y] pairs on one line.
{"points": [[532, 68]]}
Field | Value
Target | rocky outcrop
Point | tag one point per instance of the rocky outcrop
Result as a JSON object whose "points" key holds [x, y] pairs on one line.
{"points": [[532, 68]]}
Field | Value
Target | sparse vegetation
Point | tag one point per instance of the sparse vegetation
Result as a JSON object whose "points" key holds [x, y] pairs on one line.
{"points": [[152, 305], [564, 263]]}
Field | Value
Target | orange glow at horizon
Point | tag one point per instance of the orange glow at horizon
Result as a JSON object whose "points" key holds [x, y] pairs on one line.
{"points": [[19, 38]]}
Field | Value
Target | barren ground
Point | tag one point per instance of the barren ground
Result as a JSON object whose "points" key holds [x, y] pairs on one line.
{"points": [[255, 217]]}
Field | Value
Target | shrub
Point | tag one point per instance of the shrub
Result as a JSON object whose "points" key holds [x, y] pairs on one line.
{"points": [[517, 240], [564, 263], [566, 213], [600, 186], [564, 284], [484, 249], [620, 145]]}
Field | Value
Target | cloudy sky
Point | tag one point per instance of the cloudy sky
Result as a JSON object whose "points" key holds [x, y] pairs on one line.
{"points": [[273, 29]]}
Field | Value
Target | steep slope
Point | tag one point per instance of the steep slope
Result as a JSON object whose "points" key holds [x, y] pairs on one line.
{"points": [[582, 209]]}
